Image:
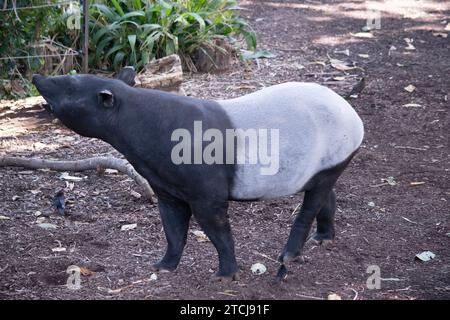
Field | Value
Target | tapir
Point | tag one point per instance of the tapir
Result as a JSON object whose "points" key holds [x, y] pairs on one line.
{"points": [[316, 133]]}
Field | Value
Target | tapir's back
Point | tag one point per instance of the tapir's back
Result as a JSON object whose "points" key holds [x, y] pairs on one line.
{"points": [[317, 129]]}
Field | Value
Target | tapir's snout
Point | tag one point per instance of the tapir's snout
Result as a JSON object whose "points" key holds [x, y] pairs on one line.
{"points": [[46, 88], [36, 78], [43, 84]]}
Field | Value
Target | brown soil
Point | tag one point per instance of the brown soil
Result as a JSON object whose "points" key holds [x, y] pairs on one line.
{"points": [[377, 223]]}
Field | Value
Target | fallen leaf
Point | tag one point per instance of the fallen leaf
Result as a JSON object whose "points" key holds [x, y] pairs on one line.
{"points": [[14, 198], [412, 105], [409, 44], [200, 236], [40, 220], [246, 87], [127, 227], [363, 55], [154, 277], [25, 172], [390, 181], [440, 34], [319, 63], [334, 296], [416, 183], [248, 55], [86, 272], [339, 78], [5, 218], [425, 256], [404, 218], [371, 204], [400, 65], [70, 185], [135, 194], [340, 65], [366, 35], [59, 249], [47, 226], [37, 213], [228, 292], [258, 268], [346, 52], [115, 290], [34, 192], [410, 88], [111, 171], [66, 176]]}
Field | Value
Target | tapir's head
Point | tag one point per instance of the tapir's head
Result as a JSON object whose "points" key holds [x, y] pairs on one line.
{"points": [[86, 104]]}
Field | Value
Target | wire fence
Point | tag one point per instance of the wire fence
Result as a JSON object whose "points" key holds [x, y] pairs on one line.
{"points": [[11, 6], [15, 8]]}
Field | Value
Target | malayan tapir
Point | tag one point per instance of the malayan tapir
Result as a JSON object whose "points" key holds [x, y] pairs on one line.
{"points": [[314, 133]]}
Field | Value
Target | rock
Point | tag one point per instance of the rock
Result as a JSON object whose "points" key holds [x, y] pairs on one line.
{"points": [[214, 57]]}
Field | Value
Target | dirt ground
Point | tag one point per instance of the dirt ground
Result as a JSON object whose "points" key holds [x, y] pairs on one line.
{"points": [[379, 222]]}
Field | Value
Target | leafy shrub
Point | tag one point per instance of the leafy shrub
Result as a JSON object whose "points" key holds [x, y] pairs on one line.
{"points": [[21, 35], [132, 32], [122, 32]]}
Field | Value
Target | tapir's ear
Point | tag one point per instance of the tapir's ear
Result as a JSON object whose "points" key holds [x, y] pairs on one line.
{"points": [[106, 98], [127, 75]]}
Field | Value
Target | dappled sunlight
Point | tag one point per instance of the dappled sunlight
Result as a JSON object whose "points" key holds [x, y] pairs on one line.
{"points": [[423, 12], [19, 121], [13, 146], [337, 40], [411, 9], [426, 27]]}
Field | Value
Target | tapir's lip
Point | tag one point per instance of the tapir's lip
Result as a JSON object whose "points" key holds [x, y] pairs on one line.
{"points": [[49, 107]]}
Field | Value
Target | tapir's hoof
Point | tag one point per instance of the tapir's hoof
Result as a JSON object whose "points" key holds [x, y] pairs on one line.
{"points": [[281, 274], [322, 239], [162, 267], [288, 257], [226, 278]]}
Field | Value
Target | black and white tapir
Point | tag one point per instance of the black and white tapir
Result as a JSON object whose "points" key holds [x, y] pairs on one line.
{"points": [[313, 131]]}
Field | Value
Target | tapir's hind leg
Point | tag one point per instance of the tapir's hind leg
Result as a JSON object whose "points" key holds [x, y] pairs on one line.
{"points": [[312, 204], [325, 220], [213, 219], [175, 216], [319, 202]]}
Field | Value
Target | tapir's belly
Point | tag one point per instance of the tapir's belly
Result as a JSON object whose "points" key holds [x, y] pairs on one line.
{"points": [[317, 130]]}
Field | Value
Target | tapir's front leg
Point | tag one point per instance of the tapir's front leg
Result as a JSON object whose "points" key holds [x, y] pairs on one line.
{"points": [[213, 218], [175, 216]]}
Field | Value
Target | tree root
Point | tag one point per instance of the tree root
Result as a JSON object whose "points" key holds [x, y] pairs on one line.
{"points": [[95, 163]]}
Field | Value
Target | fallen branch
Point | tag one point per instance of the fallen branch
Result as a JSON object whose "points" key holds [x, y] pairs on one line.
{"points": [[411, 148], [308, 297], [356, 294], [82, 165]]}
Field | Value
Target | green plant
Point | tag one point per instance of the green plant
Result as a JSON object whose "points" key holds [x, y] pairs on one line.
{"points": [[131, 32], [21, 47]]}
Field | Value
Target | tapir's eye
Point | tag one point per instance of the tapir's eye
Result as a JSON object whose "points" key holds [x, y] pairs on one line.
{"points": [[106, 98]]}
